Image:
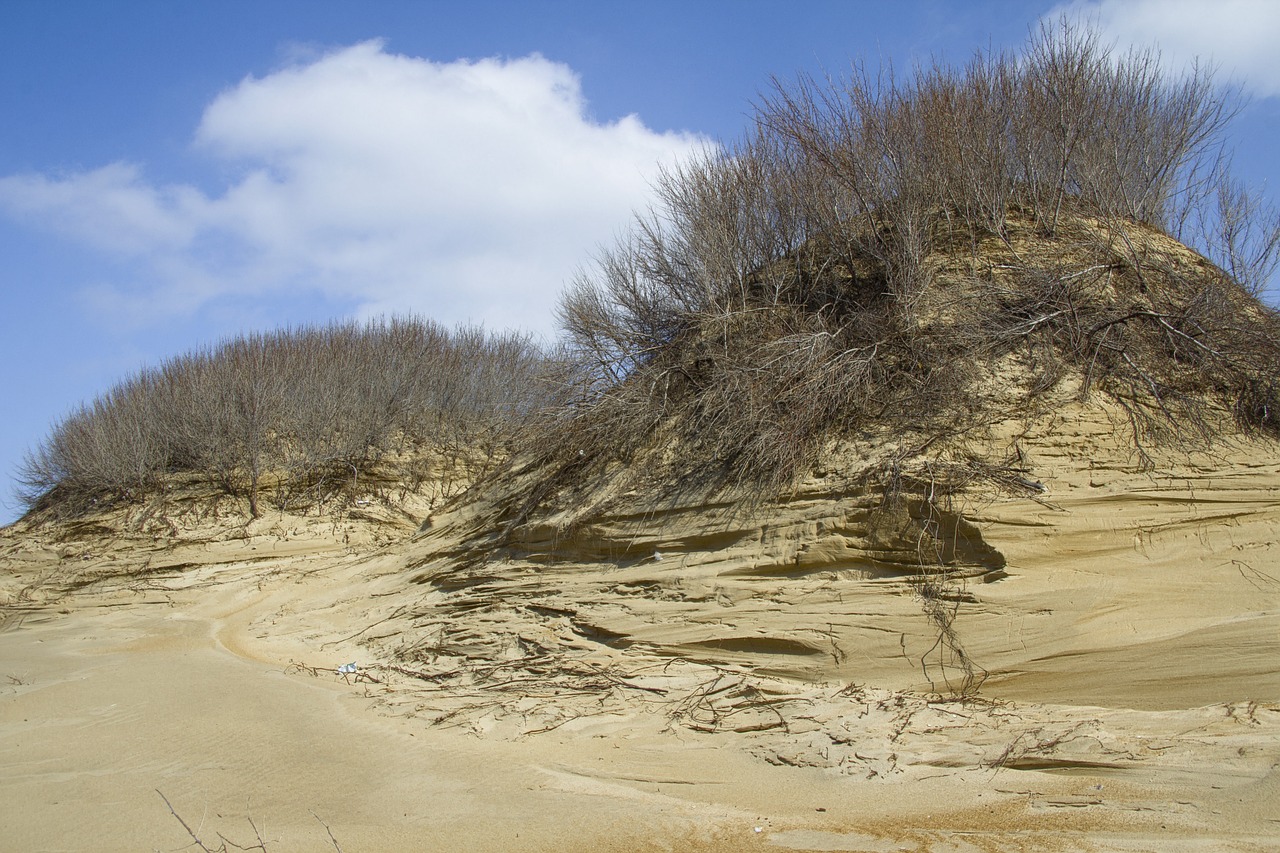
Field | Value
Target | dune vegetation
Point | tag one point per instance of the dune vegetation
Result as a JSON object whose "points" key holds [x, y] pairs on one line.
{"points": [[883, 253], [298, 414], [907, 255]]}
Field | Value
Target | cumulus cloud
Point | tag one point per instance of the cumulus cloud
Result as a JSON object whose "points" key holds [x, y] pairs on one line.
{"points": [[1239, 36], [464, 191]]}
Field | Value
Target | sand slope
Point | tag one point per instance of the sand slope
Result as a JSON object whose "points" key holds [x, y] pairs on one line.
{"points": [[674, 677]]}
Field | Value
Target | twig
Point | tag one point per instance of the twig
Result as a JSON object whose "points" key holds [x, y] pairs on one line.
{"points": [[195, 838], [332, 840], [398, 611]]}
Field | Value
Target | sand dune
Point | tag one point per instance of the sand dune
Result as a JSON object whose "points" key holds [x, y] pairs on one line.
{"points": [[666, 677]]}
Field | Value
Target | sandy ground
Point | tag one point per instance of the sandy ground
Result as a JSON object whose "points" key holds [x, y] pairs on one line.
{"points": [[110, 706], [655, 687]]}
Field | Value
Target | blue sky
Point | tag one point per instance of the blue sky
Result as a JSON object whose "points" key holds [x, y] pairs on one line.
{"points": [[172, 173]]}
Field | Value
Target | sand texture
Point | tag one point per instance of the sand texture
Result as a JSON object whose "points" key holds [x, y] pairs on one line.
{"points": [[665, 675]]}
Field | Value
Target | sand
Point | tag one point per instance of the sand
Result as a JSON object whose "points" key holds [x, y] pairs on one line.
{"points": [[666, 678]]}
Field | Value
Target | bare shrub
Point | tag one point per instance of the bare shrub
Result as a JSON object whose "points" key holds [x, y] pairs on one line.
{"points": [[107, 446], [801, 283], [298, 410], [1241, 231]]}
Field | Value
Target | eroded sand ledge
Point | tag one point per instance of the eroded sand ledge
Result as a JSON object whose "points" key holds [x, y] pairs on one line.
{"points": [[580, 694]]}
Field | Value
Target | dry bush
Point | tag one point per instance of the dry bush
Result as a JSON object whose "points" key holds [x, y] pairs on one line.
{"points": [[300, 410], [912, 257]]}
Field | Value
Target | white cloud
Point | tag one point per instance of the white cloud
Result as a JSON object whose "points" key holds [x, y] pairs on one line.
{"points": [[110, 208], [1240, 36], [466, 190]]}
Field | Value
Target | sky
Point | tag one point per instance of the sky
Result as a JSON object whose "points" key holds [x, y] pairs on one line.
{"points": [[172, 174]]}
